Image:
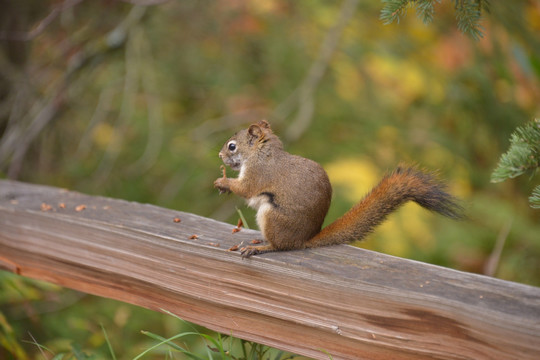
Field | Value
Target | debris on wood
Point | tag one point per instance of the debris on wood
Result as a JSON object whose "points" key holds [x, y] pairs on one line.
{"points": [[233, 248], [238, 226], [46, 207]]}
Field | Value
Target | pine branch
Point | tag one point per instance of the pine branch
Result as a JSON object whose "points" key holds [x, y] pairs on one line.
{"points": [[425, 10], [393, 10], [522, 156], [534, 199], [468, 13]]}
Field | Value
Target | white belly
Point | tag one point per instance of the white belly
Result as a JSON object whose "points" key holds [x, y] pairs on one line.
{"points": [[262, 204]]}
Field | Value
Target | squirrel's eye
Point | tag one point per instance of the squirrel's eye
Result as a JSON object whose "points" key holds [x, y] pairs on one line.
{"points": [[232, 146]]}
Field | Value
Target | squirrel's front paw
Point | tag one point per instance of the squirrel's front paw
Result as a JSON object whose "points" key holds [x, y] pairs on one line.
{"points": [[221, 185]]}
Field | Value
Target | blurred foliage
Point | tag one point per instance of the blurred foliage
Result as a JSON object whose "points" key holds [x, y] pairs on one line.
{"points": [[134, 102]]}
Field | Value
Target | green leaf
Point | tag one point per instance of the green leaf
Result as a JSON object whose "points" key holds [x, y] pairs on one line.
{"points": [[243, 218], [8, 340], [78, 352], [108, 342]]}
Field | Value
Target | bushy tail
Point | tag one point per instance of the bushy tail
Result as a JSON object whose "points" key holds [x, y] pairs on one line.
{"points": [[395, 189]]}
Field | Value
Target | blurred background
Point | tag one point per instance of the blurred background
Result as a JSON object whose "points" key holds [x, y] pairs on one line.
{"points": [[134, 99]]}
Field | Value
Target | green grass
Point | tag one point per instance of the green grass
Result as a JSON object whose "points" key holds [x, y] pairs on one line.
{"points": [[217, 347]]}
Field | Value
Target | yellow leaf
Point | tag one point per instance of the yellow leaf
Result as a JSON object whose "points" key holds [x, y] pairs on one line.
{"points": [[357, 175]]}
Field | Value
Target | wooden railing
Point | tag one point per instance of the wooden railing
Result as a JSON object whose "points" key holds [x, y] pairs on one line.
{"points": [[343, 301]]}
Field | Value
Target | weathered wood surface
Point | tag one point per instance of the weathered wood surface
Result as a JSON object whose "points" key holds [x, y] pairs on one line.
{"points": [[349, 302]]}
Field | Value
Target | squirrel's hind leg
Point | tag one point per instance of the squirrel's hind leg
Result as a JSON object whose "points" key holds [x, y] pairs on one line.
{"points": [[249, 251]]}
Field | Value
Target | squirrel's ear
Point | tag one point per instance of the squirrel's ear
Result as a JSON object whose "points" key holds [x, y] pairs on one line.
{"points": [[254, 132], [264, 124]]}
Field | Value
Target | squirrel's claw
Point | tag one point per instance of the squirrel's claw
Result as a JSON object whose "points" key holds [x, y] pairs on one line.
{"points": [[249, 251]]}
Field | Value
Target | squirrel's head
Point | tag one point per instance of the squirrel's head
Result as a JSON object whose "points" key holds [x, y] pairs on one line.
{"points": [[256, 139]]}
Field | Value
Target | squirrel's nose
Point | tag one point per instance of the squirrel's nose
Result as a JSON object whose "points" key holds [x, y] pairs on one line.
{"points": [[220, 155]]}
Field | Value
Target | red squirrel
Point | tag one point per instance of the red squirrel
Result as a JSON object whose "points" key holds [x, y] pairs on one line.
{"points": [[292, 194]]}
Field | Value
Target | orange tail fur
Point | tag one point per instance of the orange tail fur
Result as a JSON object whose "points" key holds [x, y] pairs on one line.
{"points": [[395, 189]]}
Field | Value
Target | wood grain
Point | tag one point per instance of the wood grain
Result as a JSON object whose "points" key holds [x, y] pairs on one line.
{"points": [[349, 302]]}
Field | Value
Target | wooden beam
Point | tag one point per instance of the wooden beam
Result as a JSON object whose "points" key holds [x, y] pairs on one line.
{"points": [[348, 302]]}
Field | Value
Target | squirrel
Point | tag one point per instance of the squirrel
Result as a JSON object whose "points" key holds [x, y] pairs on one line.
{"points": [[292, 194]]}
